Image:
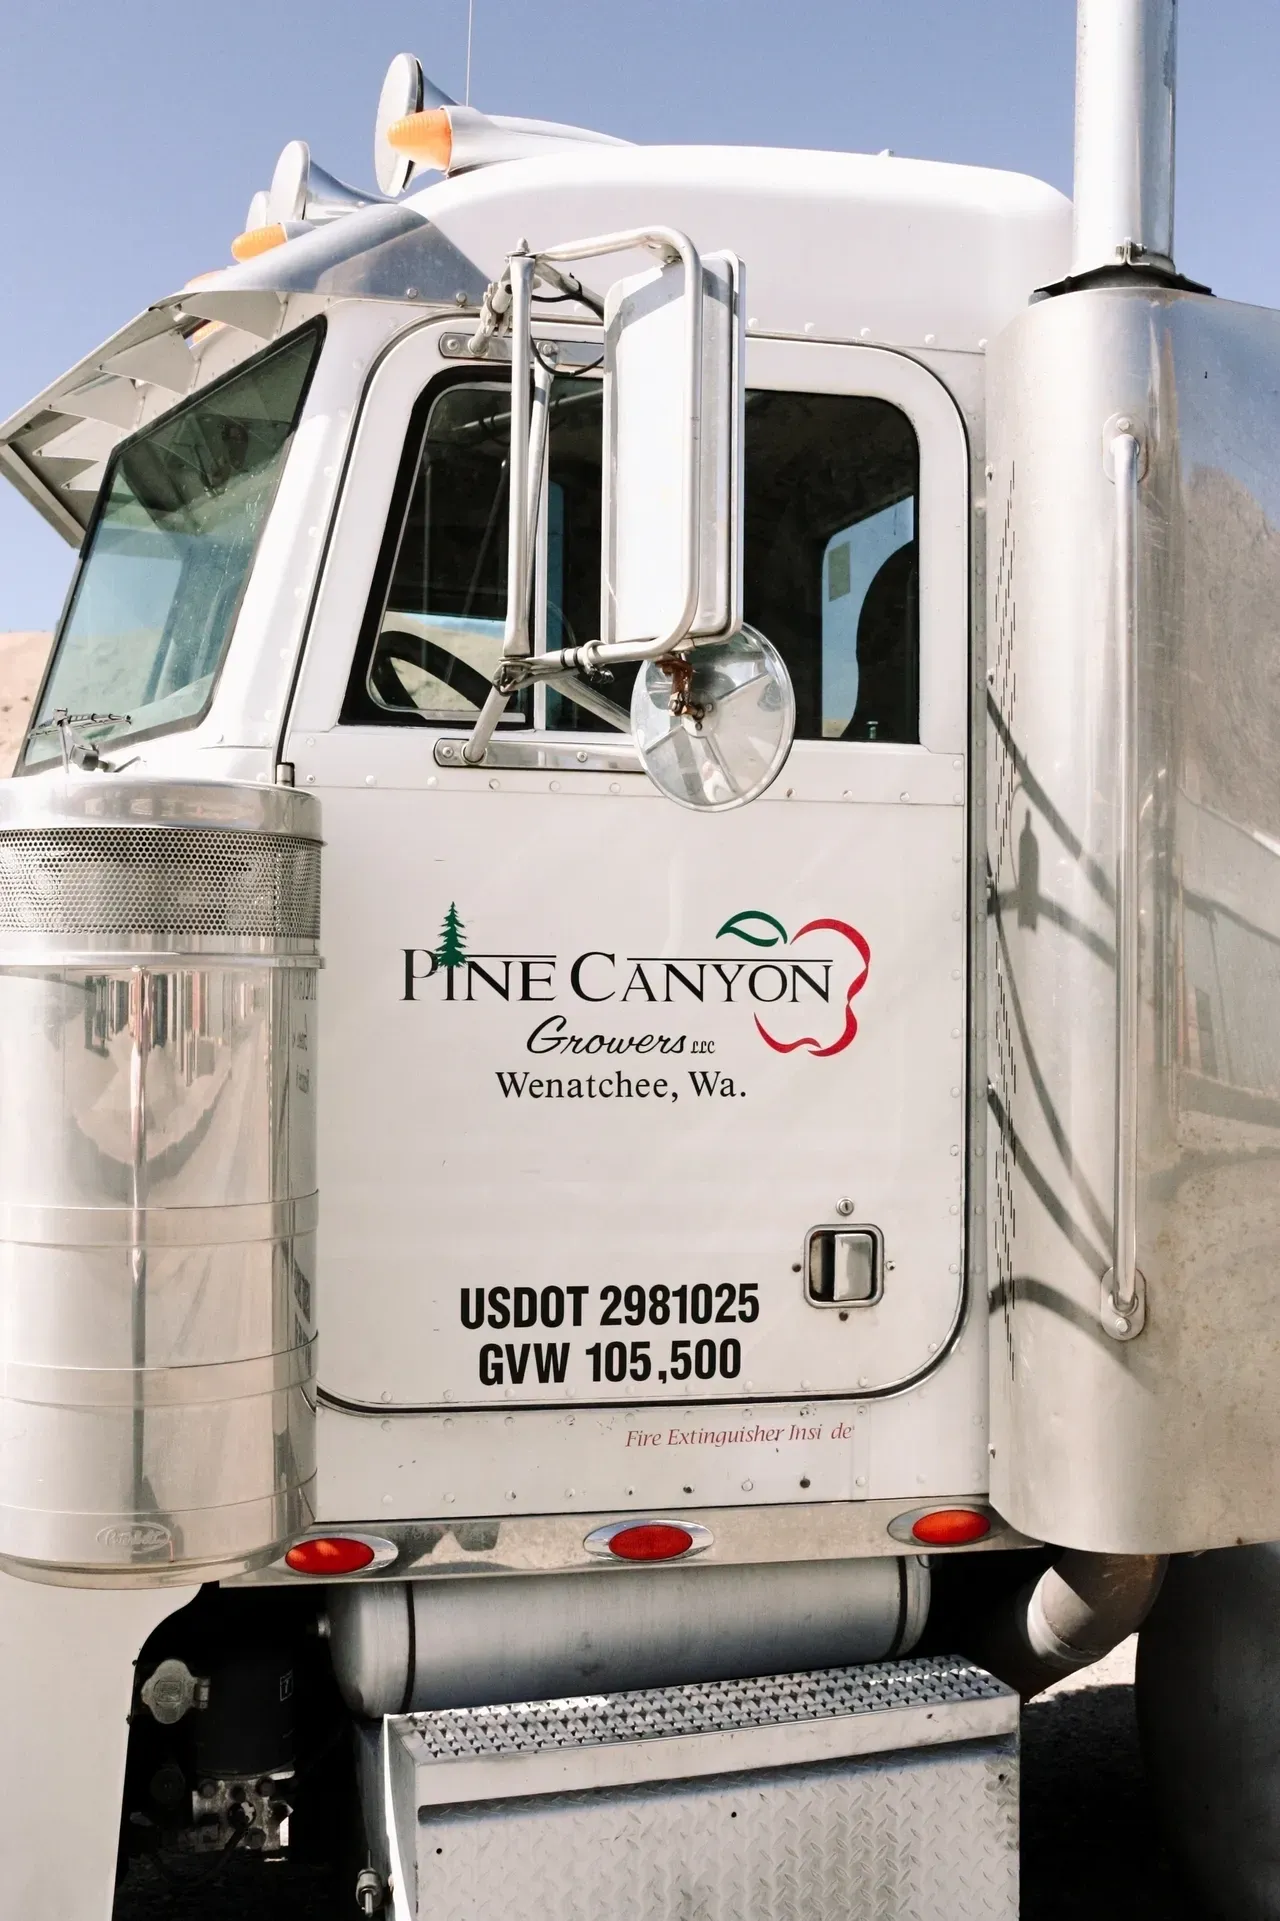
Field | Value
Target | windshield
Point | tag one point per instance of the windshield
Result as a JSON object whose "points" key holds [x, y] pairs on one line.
{"points": [[165, 565]]}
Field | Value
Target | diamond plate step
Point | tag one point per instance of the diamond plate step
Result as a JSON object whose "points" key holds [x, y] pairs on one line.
{"points": [[886, 1792]]}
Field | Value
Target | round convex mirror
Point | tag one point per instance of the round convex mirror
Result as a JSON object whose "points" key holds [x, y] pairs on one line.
{"points": [[714, 726]]}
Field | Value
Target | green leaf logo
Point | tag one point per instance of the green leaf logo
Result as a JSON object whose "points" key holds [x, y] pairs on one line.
{"points": [[755, 917]]}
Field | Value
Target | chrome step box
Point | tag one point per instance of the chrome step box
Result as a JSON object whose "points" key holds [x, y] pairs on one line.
{"points": [[887, 1791]]}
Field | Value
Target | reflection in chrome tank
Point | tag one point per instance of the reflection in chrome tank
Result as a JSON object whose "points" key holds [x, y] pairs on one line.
{"points": [[157, 1181], [1168, 1439]]}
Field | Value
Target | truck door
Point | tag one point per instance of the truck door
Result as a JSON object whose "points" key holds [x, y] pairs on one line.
{"points": [[621, 1103]]}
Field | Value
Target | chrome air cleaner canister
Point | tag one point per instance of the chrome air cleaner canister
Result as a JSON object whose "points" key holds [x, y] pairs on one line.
{"points": [[158, 965]]}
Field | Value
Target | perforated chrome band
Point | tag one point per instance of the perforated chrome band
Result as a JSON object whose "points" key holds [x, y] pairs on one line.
{"points": [[158, 881]]}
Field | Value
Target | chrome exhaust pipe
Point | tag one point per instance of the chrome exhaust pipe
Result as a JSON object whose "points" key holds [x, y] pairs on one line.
{"points": [[1126, 60], [1073, 1615]]}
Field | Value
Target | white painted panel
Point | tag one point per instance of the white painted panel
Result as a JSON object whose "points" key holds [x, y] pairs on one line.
{"points": [[591, 1461], [562, 1109]]}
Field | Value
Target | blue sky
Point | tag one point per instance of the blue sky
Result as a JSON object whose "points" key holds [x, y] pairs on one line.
{"points": [[131, 136]]}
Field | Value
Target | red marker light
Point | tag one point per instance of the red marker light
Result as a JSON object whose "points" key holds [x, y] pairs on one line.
{"points": [[330, 1554], [651, 1541], [951, 1527]]}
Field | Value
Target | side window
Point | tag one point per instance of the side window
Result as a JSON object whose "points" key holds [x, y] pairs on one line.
{"points": [[832, 483], [857, 558], [830, 574], [573, 562], [433, 634]]}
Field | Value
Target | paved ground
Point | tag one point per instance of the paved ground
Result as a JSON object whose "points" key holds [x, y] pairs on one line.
{"points": [[1091, 1850], [1091, 1845]]}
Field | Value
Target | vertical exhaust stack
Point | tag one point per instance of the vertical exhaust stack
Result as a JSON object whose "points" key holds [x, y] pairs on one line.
{"points": [[1126, 69]]}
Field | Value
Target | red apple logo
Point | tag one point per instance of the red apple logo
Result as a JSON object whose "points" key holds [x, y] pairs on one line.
{"points": [[765, 930]]}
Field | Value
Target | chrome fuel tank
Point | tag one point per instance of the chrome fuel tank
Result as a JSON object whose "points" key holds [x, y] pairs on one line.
{"points": [[158, 965], [1134, 848]]}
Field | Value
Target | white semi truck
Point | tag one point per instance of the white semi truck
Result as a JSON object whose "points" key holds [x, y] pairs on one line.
{"points": [[597, 1350]]}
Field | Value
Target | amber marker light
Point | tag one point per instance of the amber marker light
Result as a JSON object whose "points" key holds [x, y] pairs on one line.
{"points": [[426, 137], [329, 1554], [951, 1527], [256, 240]]}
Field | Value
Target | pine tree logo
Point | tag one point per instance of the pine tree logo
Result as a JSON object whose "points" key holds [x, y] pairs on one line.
{"points": [[452, 951]]}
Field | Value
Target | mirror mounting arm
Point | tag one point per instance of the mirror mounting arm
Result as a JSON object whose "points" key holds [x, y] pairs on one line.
{"points": [[515, 639], [508, 303], [570, 286]]}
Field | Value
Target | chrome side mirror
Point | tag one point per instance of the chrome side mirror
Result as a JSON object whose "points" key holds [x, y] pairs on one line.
{"points": [[713, 729], [674, 415]]}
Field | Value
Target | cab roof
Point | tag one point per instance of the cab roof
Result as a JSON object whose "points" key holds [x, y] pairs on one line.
{"points": [[848, 245], [918, 255]]}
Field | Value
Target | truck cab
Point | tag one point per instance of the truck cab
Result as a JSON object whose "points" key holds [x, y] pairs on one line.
{"points": [[551, 1258], [565, 1017]]}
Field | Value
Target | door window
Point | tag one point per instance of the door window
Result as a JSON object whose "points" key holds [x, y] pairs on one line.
{"points": [[830, 562], [831, 566], [438, 637]]}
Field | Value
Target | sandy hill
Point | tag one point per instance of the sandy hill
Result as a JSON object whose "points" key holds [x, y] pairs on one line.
{"points": [[22, 659]]}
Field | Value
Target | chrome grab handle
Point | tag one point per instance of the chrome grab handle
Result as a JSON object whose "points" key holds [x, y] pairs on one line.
{"points": [[524, 491], [1123, 1285]]}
